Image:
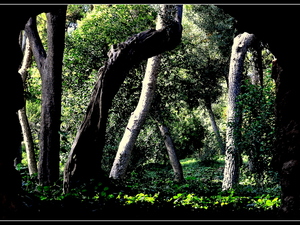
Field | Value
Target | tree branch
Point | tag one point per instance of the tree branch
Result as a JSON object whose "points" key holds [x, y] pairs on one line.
{"points": [[35, 43]]}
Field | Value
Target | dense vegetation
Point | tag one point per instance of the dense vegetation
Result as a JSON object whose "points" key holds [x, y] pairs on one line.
{"points": [[192, 79], [154, 195]]}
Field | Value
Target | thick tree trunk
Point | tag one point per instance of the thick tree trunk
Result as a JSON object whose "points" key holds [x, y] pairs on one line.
{"points": [[50, 67], [215, 128], [13, 100], [232, 157], [27, 136], [286, 159], [84, 161], [11, 136]]}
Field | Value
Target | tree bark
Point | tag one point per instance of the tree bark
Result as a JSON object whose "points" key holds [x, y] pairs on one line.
{"points": [[136, 120], [215, 128], [232, 156], [139, 115], [27, 136], [13, 100], [286, 159], [175, 163], [84, 161], [50, 67]]}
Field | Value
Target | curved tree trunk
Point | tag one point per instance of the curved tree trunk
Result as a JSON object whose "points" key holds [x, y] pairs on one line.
{"points": [[232, 156], [27, 136], [84, 161], [139, 115]]}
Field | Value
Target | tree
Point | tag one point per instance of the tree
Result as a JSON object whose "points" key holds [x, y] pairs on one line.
{"points": [[200, 65], [84, 161], [86, 50], [138, 117], [27, 136], [174, 160], [13, 100], [232, 154], [215, 126], [136, 120], [50, 66]]}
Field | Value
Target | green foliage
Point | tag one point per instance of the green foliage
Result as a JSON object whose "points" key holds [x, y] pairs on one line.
{"points": [[86, 48], [157, 191], [196, 192], [257, 132], [191, 76]]}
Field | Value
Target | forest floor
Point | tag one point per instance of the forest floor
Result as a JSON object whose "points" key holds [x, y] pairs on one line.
{"points": [[153, 195]]}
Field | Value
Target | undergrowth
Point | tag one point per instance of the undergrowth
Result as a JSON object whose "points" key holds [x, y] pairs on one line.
{"points": [[153, 189]]}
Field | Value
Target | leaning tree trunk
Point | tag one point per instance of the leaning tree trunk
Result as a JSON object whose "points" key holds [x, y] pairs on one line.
{"points": [[136, 121], [175, 163], [138, 117], [27, 136], [232, 156], [50, 67], [84, 161], [215, 127]]}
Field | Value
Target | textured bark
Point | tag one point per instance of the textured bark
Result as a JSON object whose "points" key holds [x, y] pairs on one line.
{"points": [[215, 128], [50, 66], [84, 161], [27, 136], [232, 157]]}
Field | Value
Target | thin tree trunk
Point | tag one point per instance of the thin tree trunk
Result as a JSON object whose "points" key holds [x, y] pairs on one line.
{"points": [[139, 115], [27, 136], [50, 67], [136, 120], [84, 161], [215, 128], [232, 156], [175, 163]]}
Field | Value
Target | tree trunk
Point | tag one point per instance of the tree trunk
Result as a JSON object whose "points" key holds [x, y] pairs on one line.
{"points": [[215, 128], [136, 120], [232, 155], [84, 161], [50, 67], [27, 136], [139, 115], [286, 159], [13, 100], [175, 163]]}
